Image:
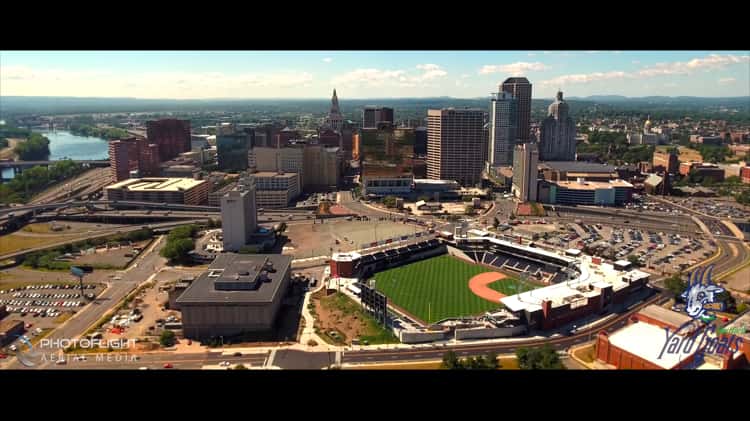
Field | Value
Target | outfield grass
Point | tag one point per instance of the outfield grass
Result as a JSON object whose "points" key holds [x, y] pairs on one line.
{"points": [[435, 288]]}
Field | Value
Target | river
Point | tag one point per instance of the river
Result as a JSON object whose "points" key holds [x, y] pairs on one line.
{"points": [[63, 144]]}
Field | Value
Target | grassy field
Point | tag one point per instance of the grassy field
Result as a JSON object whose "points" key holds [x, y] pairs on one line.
{"points": [[15, 242], [437, 288], [512, 286]]}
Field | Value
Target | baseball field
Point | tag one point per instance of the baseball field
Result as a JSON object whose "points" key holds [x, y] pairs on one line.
{"points": [[437, 288]]}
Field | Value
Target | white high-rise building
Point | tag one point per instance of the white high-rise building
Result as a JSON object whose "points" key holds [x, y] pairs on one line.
{"points": [[503, 130], [239, 216], [525, 160]]}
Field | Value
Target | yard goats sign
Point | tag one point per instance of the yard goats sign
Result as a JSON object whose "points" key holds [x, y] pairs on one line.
{"points": [[701, 303], [701, 292]]}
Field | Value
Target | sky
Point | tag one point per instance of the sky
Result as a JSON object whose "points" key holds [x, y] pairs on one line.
{"points": [[370, 74]]}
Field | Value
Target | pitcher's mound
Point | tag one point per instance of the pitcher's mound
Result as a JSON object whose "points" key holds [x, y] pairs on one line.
{"points": [[478, 285]]}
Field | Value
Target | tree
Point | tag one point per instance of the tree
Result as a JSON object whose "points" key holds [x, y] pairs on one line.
{"points": [[450, 361], [248, 250], [495, 222], [468, 209], [544, 358], [492, 362], [633, 259], [177, 250], [167, 338], [282, 227], [389, 201], [676, 284], [240, 367]]}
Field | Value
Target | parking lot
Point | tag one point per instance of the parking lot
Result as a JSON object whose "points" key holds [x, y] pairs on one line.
{"points": [[658, 251], [715, 207], [44, 306]]}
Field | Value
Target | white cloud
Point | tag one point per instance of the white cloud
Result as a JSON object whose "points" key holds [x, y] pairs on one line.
{"points": [[670, 85], [20, 80], [513, 68], [636, 62], [727, 80], [401, 78], [711, 62], [372, 77], [465, 76], [327, 59], [584, 78], [531, 54]]}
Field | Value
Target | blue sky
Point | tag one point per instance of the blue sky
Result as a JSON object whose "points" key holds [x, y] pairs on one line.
{"points": [[370, 74]]}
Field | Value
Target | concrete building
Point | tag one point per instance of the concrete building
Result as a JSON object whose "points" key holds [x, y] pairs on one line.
{"points": [[573, 170], [520, 88], [185, 191], [232, 150], [372, 116], [123, 158], [581, 192], [238, 294], [525, 172], [387, 165], [239, 217], [503, 129], [557, 137], [456, 145], [10, 330], [703, 170], [275, 190], [666, 160], [288, 160], [172, 136], [214, 198], [322, 168], [745, 175]]}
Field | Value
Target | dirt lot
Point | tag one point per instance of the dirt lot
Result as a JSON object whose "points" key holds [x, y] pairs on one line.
{"points": [[338, 313], [740, 281], [115, 257], [20, 275], [318, 239]]}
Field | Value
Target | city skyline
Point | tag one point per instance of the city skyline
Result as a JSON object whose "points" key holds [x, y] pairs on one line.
{"points": [[370, 74]]}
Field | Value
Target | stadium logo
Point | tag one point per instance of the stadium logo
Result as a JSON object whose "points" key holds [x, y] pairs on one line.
{"points": [[700, 295], [25, 356]]}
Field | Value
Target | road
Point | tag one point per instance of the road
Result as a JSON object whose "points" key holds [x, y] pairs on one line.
{"points": [[433, 352], [86, 183], [126, 361], [139, 271]]}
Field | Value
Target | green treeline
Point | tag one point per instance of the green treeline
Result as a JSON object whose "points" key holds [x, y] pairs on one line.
{"points": [[93, 131], [26, 184]]}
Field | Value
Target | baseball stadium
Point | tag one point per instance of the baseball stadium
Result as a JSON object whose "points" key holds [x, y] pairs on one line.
{"points": [[490, 280]]}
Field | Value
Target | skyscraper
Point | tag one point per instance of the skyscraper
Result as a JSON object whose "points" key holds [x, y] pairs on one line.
{"points": [[123, 158], [557, 138], [525, 160], [503, 128], [335, 119], [172, 136], [371, 116], [232, 150], [520, 88], [455, 145], [239, 215]]}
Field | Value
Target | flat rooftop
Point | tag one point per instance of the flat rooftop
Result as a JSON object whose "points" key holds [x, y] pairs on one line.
{"points": [[582, 288], [647, 341], [268, 174], [740, 323], [157, 184], [592, 185], [664, 315], [578, 166], [238, 279]]}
